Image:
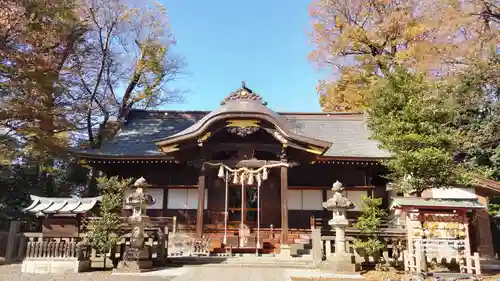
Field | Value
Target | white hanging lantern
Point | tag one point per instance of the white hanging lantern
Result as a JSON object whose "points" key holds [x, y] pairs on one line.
{"points": [[221, 172], [264, 174]]}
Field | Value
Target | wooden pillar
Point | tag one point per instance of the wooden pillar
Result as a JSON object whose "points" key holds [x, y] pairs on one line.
{"points": [[284, 205], [201, 203]]}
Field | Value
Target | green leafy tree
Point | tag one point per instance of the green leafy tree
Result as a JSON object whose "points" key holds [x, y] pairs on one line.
{"points": [[38, 38], [359, 40], [477, 93], [412, 118], [16, 182], [369, 223], [104, 232]]}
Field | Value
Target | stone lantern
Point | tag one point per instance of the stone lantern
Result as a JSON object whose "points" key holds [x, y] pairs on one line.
{"points": [[338, 204], [137, 256]]}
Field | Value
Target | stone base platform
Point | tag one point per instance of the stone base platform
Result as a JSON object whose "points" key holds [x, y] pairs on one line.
{"points": [[54, 265], [340, 263], [134, 266]]}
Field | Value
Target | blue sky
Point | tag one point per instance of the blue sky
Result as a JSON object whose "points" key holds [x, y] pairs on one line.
{"points": [[265, 43]]}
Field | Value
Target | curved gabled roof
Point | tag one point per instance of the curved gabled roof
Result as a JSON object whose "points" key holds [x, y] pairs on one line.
{"points": [[54, 205], [348, 133], [243, 103]]}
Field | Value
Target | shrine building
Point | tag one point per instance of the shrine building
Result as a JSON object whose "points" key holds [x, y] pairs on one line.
{"points": [[244, 170]]}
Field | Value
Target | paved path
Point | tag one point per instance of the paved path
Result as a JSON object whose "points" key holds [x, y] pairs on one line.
{"points": [[232, 273], [256, 274], [191, 273], [13, 273]]}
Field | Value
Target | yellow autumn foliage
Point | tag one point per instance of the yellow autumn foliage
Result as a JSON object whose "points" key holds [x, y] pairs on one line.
{"points": [[371, 37]]}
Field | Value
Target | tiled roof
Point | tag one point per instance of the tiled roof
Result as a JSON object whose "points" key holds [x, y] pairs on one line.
{"points": [[236, 106], [418, 202], [347, 131], [49, 205], [487, 183]]}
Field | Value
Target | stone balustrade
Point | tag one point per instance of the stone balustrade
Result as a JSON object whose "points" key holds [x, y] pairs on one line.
{"points": [[52, 249], [54, 255], [324, 246]]}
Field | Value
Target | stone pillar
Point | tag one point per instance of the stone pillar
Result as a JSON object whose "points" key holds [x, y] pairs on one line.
{"points": [[340, 239], [484, 240], [162, 244], [12, 240], [317, 245]]}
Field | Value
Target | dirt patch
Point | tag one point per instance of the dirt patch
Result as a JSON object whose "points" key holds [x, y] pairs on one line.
{"points": [[373, 275], [324, 279], [390, 275]]}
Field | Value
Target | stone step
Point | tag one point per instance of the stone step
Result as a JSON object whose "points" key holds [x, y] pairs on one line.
{"points": [[302, 241], [490, 265]]}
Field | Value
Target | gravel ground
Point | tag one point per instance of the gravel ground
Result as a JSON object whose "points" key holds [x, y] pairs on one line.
{"points": [[13, 273]]}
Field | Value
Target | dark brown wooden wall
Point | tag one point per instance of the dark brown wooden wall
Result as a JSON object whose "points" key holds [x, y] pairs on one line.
{"points": [[327, 174], [313, 175], [60, 226]]}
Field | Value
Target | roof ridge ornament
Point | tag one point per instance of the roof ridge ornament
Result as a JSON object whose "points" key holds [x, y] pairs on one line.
{"points": [[243, 93]]}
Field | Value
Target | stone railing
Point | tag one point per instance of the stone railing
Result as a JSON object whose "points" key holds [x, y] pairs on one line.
{"points": [[53, 254], [28, 239], [447, 251], [37, 245], [156, 242], [326, 244], [52, 249], [184, 245]]}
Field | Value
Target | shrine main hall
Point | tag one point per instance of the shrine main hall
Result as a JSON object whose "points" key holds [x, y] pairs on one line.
{"points": [[244, 175]]}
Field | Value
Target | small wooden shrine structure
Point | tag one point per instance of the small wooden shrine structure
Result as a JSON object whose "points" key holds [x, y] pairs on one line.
{"points": [[61, 217], [58, 249], [437, 230]]}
